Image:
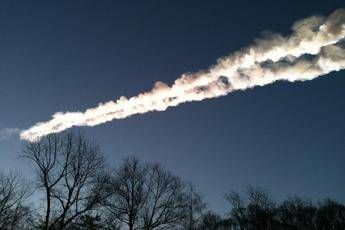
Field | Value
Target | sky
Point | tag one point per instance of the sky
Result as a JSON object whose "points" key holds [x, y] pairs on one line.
{"points": [[288, 138]]}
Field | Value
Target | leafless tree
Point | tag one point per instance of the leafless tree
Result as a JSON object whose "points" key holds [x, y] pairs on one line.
{"points": [[128, 191], [13, 194], [296, 211], [166, 205], [71, 175], [195, 208], [256, 211], [147, 196], [238, 211]]}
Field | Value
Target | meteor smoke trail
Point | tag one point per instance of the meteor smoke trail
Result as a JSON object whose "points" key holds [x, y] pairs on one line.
{"points": [[271, 59]]}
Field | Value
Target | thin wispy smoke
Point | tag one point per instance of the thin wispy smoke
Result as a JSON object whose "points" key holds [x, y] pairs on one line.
{"points": [[313, 49], [8, 132]]}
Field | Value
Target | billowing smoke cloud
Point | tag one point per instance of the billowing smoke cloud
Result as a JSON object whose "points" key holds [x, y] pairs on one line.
{"points": [[313, 49]]}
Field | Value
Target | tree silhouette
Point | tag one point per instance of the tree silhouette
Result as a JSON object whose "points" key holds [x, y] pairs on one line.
{"points": [[296, 212], [80, 192], [70, 171], [195, 207], [330, 215], [13, 195], [128, 193], [166, 203], [147, 196]]}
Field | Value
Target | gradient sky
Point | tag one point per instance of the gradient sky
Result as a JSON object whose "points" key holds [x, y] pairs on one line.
{"points": [[71, 55]]}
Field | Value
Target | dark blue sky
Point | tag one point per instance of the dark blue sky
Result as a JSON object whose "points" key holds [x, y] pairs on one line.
{"points": [[71, 55]]}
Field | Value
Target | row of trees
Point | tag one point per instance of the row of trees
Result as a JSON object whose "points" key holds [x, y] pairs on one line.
{"points": [[256, 209], [74, 189]]}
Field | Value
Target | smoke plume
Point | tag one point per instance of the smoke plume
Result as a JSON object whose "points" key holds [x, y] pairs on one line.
{"points": [[313, 49]]}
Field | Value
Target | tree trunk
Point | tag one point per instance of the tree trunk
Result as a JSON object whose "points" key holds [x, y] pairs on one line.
{"points": [[46, 223], [130, 226]]}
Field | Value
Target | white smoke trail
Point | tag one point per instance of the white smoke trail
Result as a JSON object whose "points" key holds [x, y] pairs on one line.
{"points": [[268, 60]]}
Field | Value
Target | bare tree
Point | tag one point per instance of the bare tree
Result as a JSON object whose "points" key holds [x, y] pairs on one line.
{"points": [[256, 211], [147, 196], [13, 194], [238, 210], [195, 207], [260, 209], [70, 172], [330, 215], [209, 220], [128, 191], [167, 203], [296, 212]]}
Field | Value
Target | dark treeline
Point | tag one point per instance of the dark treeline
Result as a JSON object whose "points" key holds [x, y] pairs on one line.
{"points": [[74, 189]]}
